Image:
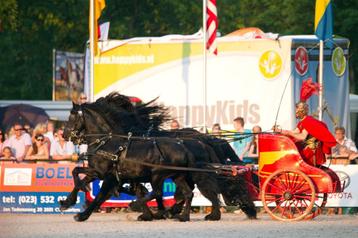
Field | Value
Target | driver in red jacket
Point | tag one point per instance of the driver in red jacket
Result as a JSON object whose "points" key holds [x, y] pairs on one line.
{"points": [[312, 137]]}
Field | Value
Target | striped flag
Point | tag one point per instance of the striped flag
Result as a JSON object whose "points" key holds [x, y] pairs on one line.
{"points": [[323, 23], [211, 26]]}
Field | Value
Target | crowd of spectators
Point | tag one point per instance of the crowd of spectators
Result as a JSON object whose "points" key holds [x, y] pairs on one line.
{"points": [[42, 143]]}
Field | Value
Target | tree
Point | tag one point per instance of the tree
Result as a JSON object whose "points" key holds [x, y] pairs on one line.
{"points": [[30, 30]]}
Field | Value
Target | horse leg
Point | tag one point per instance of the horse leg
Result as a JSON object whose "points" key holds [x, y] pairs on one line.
{"points": [[179, 200], [244, 199], [70, 200], [209, 188], [157, 185], [82, 183], [109, 183], [188, 196], [72, 196], [139, 191], [160, 214]]}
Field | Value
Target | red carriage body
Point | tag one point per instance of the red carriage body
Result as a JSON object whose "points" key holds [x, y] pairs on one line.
{"points": [[289, 188]]}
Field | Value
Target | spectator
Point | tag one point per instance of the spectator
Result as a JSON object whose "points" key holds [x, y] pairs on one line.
{"points": [[9, 133], [216, 129], [174, 125], [41, 128], [253, 146], [38, 150], [50, 132], [2, 139], [240, 145], [28, 129], [19, 143], [82, 99], [62, 149], [345, 147], [7, 154]]}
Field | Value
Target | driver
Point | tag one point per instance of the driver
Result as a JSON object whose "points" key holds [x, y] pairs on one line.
{"points": [[312, 137]]}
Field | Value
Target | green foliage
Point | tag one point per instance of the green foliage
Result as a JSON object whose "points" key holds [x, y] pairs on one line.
{"points": [[31, 29]]}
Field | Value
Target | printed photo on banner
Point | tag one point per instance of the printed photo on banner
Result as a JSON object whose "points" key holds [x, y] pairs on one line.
{"points": [[68, 75]]}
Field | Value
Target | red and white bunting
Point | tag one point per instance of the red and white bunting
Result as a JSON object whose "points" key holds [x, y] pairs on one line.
{"points": [[211, 26]]}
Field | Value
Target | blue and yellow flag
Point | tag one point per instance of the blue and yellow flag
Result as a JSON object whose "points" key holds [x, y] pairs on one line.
{"points": [[323, 23]]}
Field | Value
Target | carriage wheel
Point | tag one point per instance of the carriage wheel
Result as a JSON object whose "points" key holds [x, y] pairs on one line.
{"points": [[320, 202], [288, 195]]}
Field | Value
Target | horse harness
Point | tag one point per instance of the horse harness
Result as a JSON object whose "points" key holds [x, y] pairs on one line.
{"points": [[120, 155]]}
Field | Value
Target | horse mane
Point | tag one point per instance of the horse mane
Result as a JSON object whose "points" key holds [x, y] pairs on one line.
{"points": [[118, 111]]}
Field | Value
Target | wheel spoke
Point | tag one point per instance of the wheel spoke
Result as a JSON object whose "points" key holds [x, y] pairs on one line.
{"points": [[300, 184], [287, 179], [274, 186], [297, 208], [293, 181], [303, 196], [273, 200], [283, 185], [278, 205]]}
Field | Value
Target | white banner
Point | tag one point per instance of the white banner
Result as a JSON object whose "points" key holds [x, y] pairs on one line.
{"points": [[348, 198]]}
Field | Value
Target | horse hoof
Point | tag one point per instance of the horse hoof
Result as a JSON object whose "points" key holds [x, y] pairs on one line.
{"points": [[136, 206], [79, 218], [63, 205], [145, 218], [168, 215], [159, 215], [175, 209], [213, 217], [182, 218]]}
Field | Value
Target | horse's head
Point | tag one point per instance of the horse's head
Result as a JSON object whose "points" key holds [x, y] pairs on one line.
{"points": [[75, 123]]}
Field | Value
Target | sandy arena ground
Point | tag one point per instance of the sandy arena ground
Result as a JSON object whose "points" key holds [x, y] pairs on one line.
{"points": [[122, 225]]}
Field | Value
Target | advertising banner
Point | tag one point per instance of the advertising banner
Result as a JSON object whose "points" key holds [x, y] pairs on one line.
{"points": [[68, 75], [348, 175], [124, 199], [257, 79], [348, 198], [240, 79], [36, 188]]}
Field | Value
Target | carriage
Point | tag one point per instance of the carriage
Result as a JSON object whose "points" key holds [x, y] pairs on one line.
{"points": [[289, 188]]}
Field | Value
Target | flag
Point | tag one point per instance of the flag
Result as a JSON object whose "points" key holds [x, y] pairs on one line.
{"points": [[99, 5], [323, 23], [211, 26], [103, 31]]}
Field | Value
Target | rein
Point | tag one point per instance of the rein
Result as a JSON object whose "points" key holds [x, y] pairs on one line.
{"points": [[122, 157], [230, 137], [226, 170]]}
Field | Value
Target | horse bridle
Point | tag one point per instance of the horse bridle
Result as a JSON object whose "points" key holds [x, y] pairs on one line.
{"points": [[75, 135]]}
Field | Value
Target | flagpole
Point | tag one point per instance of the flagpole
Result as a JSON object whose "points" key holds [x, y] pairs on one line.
{"points": [[204, 62], [320, 80], [92, 32]]}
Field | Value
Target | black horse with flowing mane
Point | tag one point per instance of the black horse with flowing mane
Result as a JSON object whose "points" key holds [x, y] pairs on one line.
{"points": [[109, 120]]}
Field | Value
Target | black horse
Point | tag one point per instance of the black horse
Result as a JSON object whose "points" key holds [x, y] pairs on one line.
{"points": [[143, 119], [149, 151]]}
